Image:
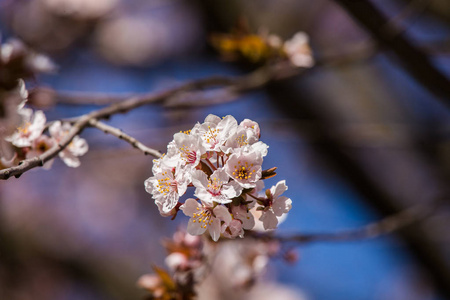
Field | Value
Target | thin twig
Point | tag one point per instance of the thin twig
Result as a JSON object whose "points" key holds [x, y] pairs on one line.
{"points": [[239, 84], [385, 226], [88, 98], [123, 136]]}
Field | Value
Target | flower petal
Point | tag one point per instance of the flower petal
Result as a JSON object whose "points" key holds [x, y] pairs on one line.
{"points": [[279, 189], [221, 212], [190, 207], [269, 220], [282, 205], [214, 230], [195, 228]]}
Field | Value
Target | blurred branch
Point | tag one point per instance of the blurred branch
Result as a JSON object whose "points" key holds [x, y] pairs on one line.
{"points": [[86, 98], [332, 150], [123, 136], [411, 9], [255, 79], [385, 226], [413, 59], [230, 87], [359, 51], [438, 48]]}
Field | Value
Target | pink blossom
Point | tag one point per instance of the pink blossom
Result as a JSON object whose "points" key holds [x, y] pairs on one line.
{"points": [[215, 131], [39, 146], [205, 217], [216, 188], [298, 51], [188, 147], [243, 214], [245, 167], [32, 127], [77, 146], [233, 230], [176, 260], [252, 127], [166, 187], [276, 205]]}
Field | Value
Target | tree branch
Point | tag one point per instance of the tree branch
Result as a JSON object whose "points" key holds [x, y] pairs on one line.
{"points": [[87, 98], [388, 34], [239, 84], [385, 226], [123, 136]]}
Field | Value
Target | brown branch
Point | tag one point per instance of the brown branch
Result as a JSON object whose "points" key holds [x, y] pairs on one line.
{"points": [[412, 9], [239, 84], [385, 226], [123, 136], [87, 98], [231, 86], [391, 36]]}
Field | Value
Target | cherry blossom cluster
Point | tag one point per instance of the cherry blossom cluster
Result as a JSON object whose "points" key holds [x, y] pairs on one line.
{"points": [[17, 63], [198, 268], [28, 140], [186, 260], [222, 160], [264, 46]]}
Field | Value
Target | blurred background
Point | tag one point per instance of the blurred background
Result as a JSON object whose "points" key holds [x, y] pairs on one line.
{"points": [[363, 134]]}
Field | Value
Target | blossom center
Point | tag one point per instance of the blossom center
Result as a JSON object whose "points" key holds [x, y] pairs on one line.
{"points": [[214, 187], [243, 171], [42, 147], [211, 136], [203, 217], [242, 140], [166, 184], [188, 155], [24, 130]]}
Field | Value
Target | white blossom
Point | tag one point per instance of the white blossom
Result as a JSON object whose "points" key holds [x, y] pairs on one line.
{"points": [[166, 187], [233, 230], [276, 205], [243, 214], [176, 260], [39, 146], [223, 162], [205, 217], [245, 167], [77, 147], [188, 147], [32, 127], [215, 131], [216, 188], [252, 127], [298, 51]]}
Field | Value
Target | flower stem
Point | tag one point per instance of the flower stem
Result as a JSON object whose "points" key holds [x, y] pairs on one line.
{"points": [[210, 164]]}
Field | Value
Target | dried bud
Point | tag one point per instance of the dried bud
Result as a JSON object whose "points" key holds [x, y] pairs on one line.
{"points": [[269, 173], [291, 256]]}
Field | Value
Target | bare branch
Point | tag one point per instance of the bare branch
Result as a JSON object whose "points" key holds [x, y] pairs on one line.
{"points": [[255, 79], [123, 136], [87, 98], [231, 86], [385, 226]]}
